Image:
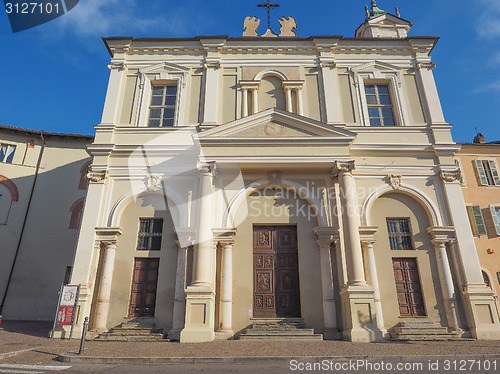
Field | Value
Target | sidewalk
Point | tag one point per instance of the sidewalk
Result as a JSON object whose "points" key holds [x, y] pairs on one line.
{"points": [[18, 336]]}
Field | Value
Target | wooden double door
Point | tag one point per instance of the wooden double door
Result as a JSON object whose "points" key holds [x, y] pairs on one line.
{"points": [[275, 272], [144, 284], [408, 287]]}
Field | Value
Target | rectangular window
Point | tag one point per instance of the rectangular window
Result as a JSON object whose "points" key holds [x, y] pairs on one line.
{"points": [[7, 153], [495, 215], [487, 172], [400, 236], [162, 109], [150, 231], [476, 220], [379, 103]]}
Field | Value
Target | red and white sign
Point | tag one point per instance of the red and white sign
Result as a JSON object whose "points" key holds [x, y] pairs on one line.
{"points": [[67, 305]]}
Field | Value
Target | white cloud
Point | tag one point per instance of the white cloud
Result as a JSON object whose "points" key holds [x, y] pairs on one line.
{"points": [[118, 17], [489, 19], [489, 87]]}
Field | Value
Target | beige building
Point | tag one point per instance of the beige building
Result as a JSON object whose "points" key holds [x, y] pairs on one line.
{"points": [[479, 162], [244, 181], [42, 190]]}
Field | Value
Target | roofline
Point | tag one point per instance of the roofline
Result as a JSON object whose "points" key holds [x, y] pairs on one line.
{"points": [[131, 39], [41, 132]]}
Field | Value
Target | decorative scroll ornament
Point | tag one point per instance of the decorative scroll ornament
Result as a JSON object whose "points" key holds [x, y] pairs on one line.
{"points": [[251, 25], [274, 177], [342, 167], [109, 243], [426, 65], [116, 66], [395, 181], [451, 176], [288, 26], [153, 183], [96, 176]]}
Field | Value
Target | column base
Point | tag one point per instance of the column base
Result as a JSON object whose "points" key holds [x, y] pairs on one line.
{"points": [[200, 313], [174, 335], [224, 335], [331, 334], [482, 312], [359, 309]]}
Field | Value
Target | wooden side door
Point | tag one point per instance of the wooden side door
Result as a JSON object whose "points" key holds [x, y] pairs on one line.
{"points": [[144, 284], [287, 272], [408, 287], [276, 272], [264, 259]]}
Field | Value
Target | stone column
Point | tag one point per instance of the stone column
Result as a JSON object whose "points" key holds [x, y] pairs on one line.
{"points": [[108, 248], [202, 271], [325, 239], [255, 100], [441, 237], [357, 295], [200, 295], [226, 239], [300, 102], [184, 242], [245, 102], [288, 94], [355, 272], [367, 241]]}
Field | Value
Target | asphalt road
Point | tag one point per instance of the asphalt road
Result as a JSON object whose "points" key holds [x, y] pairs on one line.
{"points": [[362, 367]]}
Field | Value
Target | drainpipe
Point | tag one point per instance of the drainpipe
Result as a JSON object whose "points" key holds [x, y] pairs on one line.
{"points": [[9, 280]]}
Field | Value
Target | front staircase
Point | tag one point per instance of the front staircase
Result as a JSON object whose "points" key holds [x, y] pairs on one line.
{"points": [[134, 330], [421, 331], [279, 329]]}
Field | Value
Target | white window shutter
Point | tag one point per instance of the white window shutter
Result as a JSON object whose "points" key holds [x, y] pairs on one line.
{"points": [[479, 220], [494, 172], [481, 173], [495, 219]]}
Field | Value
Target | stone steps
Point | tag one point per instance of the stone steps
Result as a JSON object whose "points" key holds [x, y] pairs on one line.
{"points": [[279, 329], [421, 331], [134, 330]]}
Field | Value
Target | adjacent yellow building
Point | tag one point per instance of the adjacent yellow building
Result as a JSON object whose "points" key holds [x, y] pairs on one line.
{"points": [[479, 162]]}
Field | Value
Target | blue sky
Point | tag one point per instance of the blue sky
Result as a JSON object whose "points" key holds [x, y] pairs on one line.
{"points": [[54, 76]]}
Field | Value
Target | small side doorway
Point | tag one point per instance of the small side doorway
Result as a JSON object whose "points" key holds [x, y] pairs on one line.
{"points": [[144, 283]]}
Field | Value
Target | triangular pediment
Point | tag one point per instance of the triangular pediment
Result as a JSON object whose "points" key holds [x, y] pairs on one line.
{"points": [[375, 65], [164, 66], [276, 124], [388, 19]]}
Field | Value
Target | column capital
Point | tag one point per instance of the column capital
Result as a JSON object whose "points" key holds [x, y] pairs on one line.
{"points": [[367, 234], [441, 235], [342, 167], [212, 63], [97, 176], [207, 168], [224, 235], [425, 65], [295, 85], [451, 176], [117, 66], [326, 235], [249, 85], [185, 237], [108, 234]]}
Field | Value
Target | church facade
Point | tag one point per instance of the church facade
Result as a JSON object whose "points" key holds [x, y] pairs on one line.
{"points": [[238, 179]]}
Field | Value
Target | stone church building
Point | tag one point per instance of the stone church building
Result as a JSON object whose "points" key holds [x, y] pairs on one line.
{"points": [[266, 179]]}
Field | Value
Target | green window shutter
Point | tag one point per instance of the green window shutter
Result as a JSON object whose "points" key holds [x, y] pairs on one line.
{"points": [[479, 220], [481, 172], [495, 219], [494, 172]]}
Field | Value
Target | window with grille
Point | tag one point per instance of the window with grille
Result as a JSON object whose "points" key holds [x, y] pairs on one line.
{"points": [[150, 231], [162, 109], [400, 237], [379, 103], [7, 153]]}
